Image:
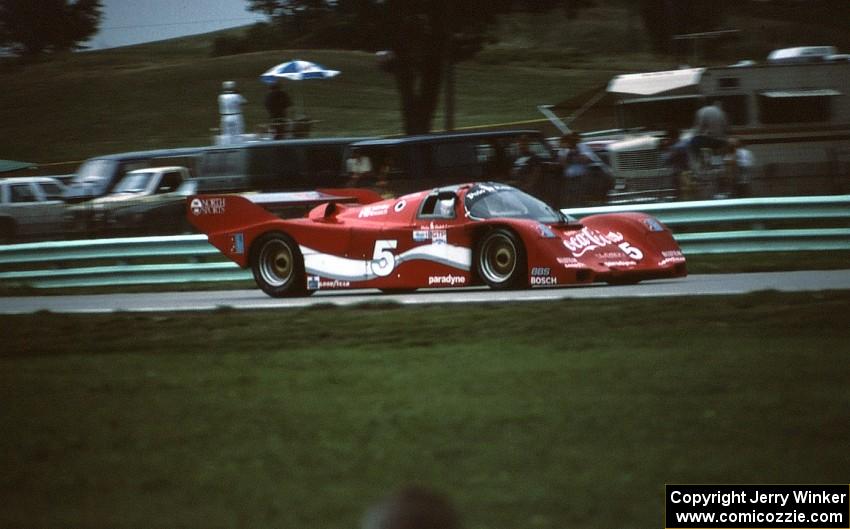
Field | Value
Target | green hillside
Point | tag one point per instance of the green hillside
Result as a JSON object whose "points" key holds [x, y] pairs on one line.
{"points": [[163, 94]]}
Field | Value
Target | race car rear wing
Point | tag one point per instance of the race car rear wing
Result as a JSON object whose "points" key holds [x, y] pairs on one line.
{"points": [[216, 213], [314, 198]]}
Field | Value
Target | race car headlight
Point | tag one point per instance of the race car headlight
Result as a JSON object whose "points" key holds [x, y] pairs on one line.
{"points": [[653, 225], [546, 232]]}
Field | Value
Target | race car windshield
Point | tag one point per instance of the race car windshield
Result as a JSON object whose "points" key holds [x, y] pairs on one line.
{"points": [[493, 201]]}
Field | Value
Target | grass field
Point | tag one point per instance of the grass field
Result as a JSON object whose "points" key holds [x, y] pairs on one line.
{"points": [[565, 414]]}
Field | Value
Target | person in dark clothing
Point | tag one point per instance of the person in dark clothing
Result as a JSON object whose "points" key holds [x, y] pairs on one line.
{"points": [[675, 157], [277, 105]]}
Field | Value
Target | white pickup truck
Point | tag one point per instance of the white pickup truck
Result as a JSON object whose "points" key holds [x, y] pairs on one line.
{"points": [[146, 201], [31, 206]]}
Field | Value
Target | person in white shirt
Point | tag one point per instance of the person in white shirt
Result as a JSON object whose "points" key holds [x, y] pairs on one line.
{"points": [[230, 107], [739, 161], [358, 166]]}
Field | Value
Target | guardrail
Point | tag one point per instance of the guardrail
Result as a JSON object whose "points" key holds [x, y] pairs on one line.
{"points": [[711, 216], [151, 260], [83, 263]]}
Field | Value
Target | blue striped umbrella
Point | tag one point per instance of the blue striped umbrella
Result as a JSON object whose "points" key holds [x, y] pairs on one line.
{"points": [[297, 71]]}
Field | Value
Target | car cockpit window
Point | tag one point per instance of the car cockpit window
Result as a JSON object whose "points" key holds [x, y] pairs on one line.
{"points": [[439, 206]]}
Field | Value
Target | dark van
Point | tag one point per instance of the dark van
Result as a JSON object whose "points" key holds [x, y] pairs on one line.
{"points": [[412, 163], [280, 165]]}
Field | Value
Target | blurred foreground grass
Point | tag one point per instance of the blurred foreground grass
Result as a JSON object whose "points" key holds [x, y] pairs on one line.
{"points": [[563, 414]]}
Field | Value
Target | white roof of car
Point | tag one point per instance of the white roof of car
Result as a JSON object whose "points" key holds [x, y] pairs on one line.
{"points": [[30, 179], [162, 169]]}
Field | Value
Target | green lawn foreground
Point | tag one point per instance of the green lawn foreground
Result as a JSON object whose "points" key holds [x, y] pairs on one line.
{"points": [[562, 414]]}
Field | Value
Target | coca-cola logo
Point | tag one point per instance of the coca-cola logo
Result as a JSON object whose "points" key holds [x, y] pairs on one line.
{"points": [[590, 239]]}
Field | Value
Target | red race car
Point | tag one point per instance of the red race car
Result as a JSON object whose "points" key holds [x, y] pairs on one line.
{"points": [[481, 233]]}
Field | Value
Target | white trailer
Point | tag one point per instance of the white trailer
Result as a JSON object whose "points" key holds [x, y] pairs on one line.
{"points": [[792, 112]]}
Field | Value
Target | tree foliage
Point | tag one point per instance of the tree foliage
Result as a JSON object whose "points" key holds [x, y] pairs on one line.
{"points": [[32, 27], [424, 39], [664, 19], [419, 39]]}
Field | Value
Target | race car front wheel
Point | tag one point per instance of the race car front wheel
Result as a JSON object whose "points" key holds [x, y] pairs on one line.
{"points": [[278, 265], [500, 260]]}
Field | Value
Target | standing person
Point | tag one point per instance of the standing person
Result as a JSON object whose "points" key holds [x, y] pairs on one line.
{"points": [[588, 178], [277, 105], [709, 128], [740, 162], [527, 168], [359, 167], [674, 156], [230, 107]]}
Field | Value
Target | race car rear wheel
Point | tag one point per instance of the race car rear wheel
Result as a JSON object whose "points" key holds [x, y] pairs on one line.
{"points": [[278, 265], [500, 260]]}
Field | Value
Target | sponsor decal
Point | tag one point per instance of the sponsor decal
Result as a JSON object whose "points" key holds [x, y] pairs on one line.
{"points": [[317, 283], [571, 262], [207, 206], [483, 189], [439, 237], [373, 211], [421, 235], [619, 264], [434, 226], [399, 205], [450, 280], [590, 239], [237, 243], [671, 256], [542, 275]]}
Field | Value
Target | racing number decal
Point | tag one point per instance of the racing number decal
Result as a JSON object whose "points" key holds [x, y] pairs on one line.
{"points": [[632, 251], [383, 260]]}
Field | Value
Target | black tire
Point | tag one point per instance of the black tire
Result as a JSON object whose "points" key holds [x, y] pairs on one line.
{"points": [[500, 260], [278, 265]]}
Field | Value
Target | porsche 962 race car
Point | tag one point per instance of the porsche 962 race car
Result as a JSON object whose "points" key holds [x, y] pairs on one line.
{"points": [[472, 234]]}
